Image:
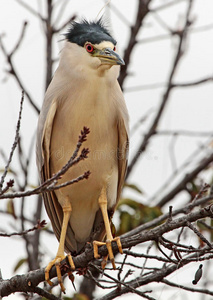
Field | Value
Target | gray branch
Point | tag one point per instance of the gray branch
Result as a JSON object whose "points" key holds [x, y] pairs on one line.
{"points": [[28, 282]]}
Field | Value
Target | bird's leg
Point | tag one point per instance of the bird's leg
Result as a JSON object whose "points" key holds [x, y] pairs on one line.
{"points": [[60, 254], [109, 238]]}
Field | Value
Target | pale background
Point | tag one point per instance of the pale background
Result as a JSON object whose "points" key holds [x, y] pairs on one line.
{"points": [[188, 109]]}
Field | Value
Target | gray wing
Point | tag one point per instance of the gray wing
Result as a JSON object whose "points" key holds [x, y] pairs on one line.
{"points": [[123, 139], [44, 132], [45, 122], [123, 149]]}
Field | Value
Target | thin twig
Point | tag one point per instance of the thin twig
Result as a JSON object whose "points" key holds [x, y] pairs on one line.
{"points": [[164, 217], [166, 5], [13, 72], [50, 184], [182, 167], [179, 54], [39, 225], [134, 254], [205, 225], [170, 214], [169, 258], [174, 34], [21, 38], [142, 11], [64, 25], [14, 143], [203, 291], [121, 283], [181, 185], [45, 294], [146, 259], [199, 234], [7, 286], [31, 10], [158, 85], [121, 16]]}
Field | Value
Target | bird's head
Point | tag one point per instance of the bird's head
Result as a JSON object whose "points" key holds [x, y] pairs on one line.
{"points": [[92, 44]]}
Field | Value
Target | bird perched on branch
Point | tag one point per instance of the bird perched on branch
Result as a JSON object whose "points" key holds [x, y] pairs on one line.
{"points": [[84, 92]]}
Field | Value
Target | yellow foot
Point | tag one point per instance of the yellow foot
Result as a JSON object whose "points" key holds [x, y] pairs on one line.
{"points": [[108, 243], [57, 262]]}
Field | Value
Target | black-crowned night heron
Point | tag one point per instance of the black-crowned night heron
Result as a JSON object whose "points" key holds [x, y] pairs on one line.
{"points": [[84, 92]]}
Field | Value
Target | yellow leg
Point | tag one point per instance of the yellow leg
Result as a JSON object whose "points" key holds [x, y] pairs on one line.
{"points": [[109, 238], [60, 254]]}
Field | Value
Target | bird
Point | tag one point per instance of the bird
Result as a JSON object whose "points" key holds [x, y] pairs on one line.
{"points": [[84, 91]]}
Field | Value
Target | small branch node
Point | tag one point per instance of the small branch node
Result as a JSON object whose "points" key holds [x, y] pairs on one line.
{"points": [[170, 214]]}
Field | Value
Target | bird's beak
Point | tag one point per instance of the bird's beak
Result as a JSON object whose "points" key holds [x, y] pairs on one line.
{"points": [[108, 57]]}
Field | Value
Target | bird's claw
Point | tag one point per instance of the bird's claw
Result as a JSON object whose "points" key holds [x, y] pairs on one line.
{"points": [[57, 262], [108, 244]]}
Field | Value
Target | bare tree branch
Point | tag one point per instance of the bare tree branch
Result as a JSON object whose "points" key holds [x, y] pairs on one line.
{"points": [[64, 25], [30, 280], [31, 10], [166, 5], [193, 83], [13, 71], [203, 291], [174, 33], [50, 184], [156, 276], [188, 177], [185, 209], [181, 170], [39, 225], [178, 55], [174, 251], [142, 11], [21, 38], [13, 147], [174, 85], [119, 14]]}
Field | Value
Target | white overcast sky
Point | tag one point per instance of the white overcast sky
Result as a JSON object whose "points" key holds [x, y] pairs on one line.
{"points": [[188, 109]]}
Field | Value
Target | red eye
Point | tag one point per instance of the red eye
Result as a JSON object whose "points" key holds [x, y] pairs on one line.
{"points": [[89, 48], [114, 49]]}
